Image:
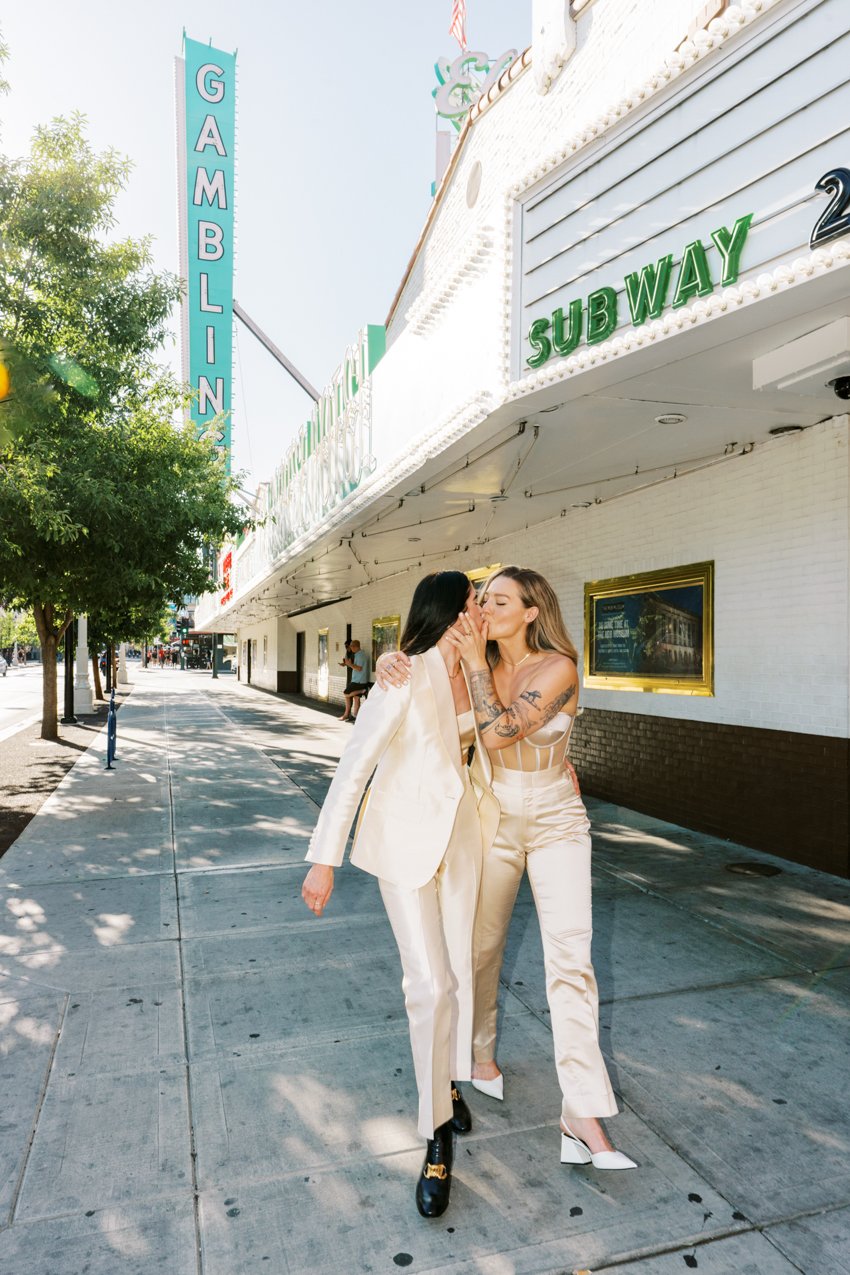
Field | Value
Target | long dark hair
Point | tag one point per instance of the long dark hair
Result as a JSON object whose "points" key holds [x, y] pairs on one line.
{"points": [[437, 601]]}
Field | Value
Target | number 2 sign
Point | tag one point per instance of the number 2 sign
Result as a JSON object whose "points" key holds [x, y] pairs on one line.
{"points": [[835, 218]]}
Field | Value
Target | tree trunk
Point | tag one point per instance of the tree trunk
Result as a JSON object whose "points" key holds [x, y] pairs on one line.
{"points": [[49, 635], [95, 668], [49, 722]]}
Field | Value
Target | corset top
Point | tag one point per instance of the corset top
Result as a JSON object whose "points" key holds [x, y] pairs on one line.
{"points": [[547, 747]]}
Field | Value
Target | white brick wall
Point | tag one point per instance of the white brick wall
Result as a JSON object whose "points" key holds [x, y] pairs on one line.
{"points": [[266, 663], [775, 523]]}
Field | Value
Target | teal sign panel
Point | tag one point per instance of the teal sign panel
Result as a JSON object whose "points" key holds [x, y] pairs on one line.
{"points": [[210, 118]]}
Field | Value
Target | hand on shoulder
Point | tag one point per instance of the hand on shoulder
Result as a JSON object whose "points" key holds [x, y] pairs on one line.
{"points": [[393, 669]]}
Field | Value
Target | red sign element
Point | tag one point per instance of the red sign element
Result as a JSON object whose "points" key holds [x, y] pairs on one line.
{"points": [[226, 565]]}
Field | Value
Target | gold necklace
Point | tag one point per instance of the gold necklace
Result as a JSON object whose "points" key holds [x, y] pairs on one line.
{"points": [[522, 661]]}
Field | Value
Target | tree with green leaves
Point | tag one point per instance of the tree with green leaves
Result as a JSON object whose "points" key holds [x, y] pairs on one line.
{"points": [[17, 626], [108, 505], [138, 623]]}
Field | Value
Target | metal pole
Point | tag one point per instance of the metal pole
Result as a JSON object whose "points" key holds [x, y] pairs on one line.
{"points": [[111, 732], [215, 654], [108, 667], [275, 352], [69, 719]]}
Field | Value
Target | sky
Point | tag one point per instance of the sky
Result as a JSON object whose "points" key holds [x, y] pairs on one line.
{"points": [[335, 155]]}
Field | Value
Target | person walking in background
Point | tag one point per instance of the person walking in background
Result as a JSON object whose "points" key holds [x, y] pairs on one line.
{"points": [[520, 663], [422, 832], [361, 669]]}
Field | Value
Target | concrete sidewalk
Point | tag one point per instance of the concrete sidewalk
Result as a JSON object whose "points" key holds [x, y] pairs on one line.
{"points": [[198, 1077]]}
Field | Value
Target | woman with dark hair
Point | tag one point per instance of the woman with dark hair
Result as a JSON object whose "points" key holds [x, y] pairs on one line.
{"points": [[521, 667], [421, 832]]}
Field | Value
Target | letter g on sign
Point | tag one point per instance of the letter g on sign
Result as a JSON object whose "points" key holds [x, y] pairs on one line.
{"points": [[212, 91]]}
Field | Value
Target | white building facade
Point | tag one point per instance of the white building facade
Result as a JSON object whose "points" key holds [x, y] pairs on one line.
{"points": [[612, 358]]}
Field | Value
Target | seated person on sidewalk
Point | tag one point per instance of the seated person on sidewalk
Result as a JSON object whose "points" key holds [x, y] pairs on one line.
{"points": [[359, 664]]}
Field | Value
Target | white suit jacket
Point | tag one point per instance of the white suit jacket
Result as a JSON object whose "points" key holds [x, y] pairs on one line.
{"points": [[409, 737]]}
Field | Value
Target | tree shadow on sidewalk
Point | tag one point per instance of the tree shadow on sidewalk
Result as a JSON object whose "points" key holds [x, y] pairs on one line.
{"points": [[32, 768]]}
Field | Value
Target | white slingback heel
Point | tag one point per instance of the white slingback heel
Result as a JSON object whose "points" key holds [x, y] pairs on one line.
{"points": [[493, 1088], [574, 1151]]}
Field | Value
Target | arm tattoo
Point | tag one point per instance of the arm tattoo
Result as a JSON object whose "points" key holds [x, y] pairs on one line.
{"points": [[488, 707], [554, 707], [516, 720], [507, 729]]}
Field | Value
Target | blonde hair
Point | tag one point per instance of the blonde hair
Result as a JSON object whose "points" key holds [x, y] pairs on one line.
{"points": [[547, 631]]}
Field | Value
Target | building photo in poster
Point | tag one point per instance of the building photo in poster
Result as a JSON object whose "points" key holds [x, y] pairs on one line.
{"points": [[651, 631]]}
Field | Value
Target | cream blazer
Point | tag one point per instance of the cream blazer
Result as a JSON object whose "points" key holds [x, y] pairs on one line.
{"points": [[409, 738]]}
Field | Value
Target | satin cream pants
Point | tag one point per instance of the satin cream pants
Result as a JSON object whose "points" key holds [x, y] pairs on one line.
{"points": [[433, 928], [544, 828]]}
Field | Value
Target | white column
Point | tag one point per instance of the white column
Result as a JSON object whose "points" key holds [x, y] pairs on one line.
{"points": [[83, 697], [122, 663]]}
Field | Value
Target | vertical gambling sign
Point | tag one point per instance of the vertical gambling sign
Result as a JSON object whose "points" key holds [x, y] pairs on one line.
{"points": [[206, 136]]}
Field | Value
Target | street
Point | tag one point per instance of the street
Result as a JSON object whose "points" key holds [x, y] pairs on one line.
{"points": [[20, 698]]}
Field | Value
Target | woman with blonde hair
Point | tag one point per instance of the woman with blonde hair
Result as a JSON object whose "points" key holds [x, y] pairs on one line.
{"points": [[520, 664]]}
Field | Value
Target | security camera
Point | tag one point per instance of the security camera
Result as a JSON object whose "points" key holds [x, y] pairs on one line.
{"points": [[840, 386]]}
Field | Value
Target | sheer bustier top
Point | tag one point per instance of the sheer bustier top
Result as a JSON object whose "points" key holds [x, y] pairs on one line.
{"points": [[547, 747]]}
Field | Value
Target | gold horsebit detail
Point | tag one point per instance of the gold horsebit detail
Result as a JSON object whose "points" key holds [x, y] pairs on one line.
{"points": [[436, 1171], [455, 1096]]}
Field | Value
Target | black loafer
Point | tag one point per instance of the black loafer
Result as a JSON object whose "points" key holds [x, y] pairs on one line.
{"points": [[461, 1115], [435, 1180]]}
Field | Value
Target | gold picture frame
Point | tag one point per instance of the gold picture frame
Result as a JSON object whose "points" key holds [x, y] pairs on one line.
{"points": [[653, 631], [479, 574], [386, 633]]}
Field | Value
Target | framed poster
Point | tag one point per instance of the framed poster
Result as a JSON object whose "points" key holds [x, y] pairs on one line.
{"points": [[385, 635], [651, 632]]}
